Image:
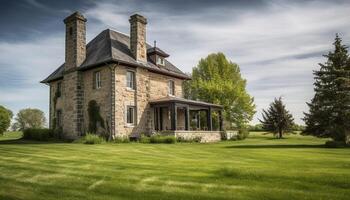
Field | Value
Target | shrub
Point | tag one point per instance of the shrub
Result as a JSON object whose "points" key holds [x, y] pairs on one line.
{"points": [[335, 144], [162, 139], [91, 139], [243, 133], [144, 139], [40, 134], [121, 140], [192, 140], [58, 133]]}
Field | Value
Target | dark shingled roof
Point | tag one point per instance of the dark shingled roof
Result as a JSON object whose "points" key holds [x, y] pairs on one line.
{"points": [[182, 100], [111, 46], [156, 50]]}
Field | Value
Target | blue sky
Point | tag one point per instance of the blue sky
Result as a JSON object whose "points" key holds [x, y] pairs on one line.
{"points": [[277, 44]]}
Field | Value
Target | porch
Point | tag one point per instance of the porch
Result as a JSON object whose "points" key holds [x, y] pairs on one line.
{"points": [[173, 114]]}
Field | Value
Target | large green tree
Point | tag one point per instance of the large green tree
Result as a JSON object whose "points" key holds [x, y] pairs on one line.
{"points": [[277, 118], [30, 118], [218, 80], [329, 114], [5, 119]]}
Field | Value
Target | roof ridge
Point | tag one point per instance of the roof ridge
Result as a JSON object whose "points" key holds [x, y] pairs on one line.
{"points": [[110, 42], [110, 29]]}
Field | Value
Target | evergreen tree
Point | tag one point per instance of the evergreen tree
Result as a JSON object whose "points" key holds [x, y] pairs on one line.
{"points": [[277, 118], [329, 114], [217, 80]]}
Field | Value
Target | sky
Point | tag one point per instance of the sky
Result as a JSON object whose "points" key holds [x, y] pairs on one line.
{"points": [[277, 44]]}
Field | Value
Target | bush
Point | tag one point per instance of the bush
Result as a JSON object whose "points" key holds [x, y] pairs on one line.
{"points": [[58, 133], [335, 144], [192, 140], [91, 139], [144, 139], [40, 134], [121, 140], [162, 139], [243, 133]]}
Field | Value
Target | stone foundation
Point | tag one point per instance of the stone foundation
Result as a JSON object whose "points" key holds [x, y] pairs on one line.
{"points": [[205, 136]]}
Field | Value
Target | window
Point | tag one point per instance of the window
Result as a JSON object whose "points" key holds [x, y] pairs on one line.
{"points": [[130, 79], [130, 115], [171, 87], [160, 60], [58, 118], [97, 80], [59, 89]]}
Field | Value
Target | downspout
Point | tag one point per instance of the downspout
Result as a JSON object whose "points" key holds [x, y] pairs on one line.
{"points": [[113, 131]]}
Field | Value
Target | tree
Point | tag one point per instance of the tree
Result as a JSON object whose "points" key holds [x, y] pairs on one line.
{"points": [[30, 118], [5, 119], [329, 109], [218, 80], [277, 118]]}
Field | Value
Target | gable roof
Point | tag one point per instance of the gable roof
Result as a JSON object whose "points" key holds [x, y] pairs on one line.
{"points": [[111, 46]]}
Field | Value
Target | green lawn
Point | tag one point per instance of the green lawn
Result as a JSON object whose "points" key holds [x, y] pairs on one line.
{"points": [[260, 167]]}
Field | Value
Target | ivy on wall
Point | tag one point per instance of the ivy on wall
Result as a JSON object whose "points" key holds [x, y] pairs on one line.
{"points": [[94, 116]]}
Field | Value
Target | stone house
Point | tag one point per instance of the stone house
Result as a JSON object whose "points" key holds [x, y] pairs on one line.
{"points": [[131, 85]]}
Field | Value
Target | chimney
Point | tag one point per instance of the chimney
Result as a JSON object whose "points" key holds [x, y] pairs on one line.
{"points": [[75, 40], [138, 37]]}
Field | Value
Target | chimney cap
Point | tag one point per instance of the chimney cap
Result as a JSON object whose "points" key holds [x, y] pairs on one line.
{"points": [[75, 16], [137, 18]]}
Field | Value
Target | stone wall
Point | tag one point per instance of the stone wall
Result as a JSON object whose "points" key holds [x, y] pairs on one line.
{"points": [[148, 86], [204, 136], [59, 102], [101, 95], [72, 105], [77, 91]]}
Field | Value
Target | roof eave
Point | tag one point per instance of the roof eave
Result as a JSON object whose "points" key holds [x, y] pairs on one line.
{"points": [[87, 67]]}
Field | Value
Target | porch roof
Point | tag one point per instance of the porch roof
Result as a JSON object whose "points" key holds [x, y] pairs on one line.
{"points": [[172, 99]]}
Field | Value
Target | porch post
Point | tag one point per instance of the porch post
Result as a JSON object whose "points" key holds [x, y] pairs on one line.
{"points": [[198, 120], [209, 119], [187, 118], [160, 114], [220, 120], [173, 116]]}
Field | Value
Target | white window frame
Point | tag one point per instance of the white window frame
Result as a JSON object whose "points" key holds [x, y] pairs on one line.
{"points": [[97, 78], [171, 90], [133, 122], [132, 81], [160, 60]]}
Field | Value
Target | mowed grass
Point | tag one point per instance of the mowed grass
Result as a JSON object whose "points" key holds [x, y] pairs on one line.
{"points": [[259, 167]]}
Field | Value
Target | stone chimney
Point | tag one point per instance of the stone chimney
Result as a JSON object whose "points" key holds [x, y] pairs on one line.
{"points": [[138, 37], [75, 40]]}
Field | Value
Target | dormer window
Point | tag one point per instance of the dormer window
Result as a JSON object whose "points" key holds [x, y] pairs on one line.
{"points": [[160, 60]]}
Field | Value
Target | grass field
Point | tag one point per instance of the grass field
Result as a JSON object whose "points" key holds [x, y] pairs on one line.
{"points": [[260, 167]]}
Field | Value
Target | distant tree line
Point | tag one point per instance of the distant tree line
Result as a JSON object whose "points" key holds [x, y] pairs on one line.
{"points": [[25, 118]]}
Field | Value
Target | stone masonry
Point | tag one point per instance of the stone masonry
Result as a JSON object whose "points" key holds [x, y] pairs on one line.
{"points": [[113, 97], [73, 91], [138, 37]]}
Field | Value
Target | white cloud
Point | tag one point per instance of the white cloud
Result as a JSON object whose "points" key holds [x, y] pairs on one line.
{"points": [[269, 44], [276, 46]]}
